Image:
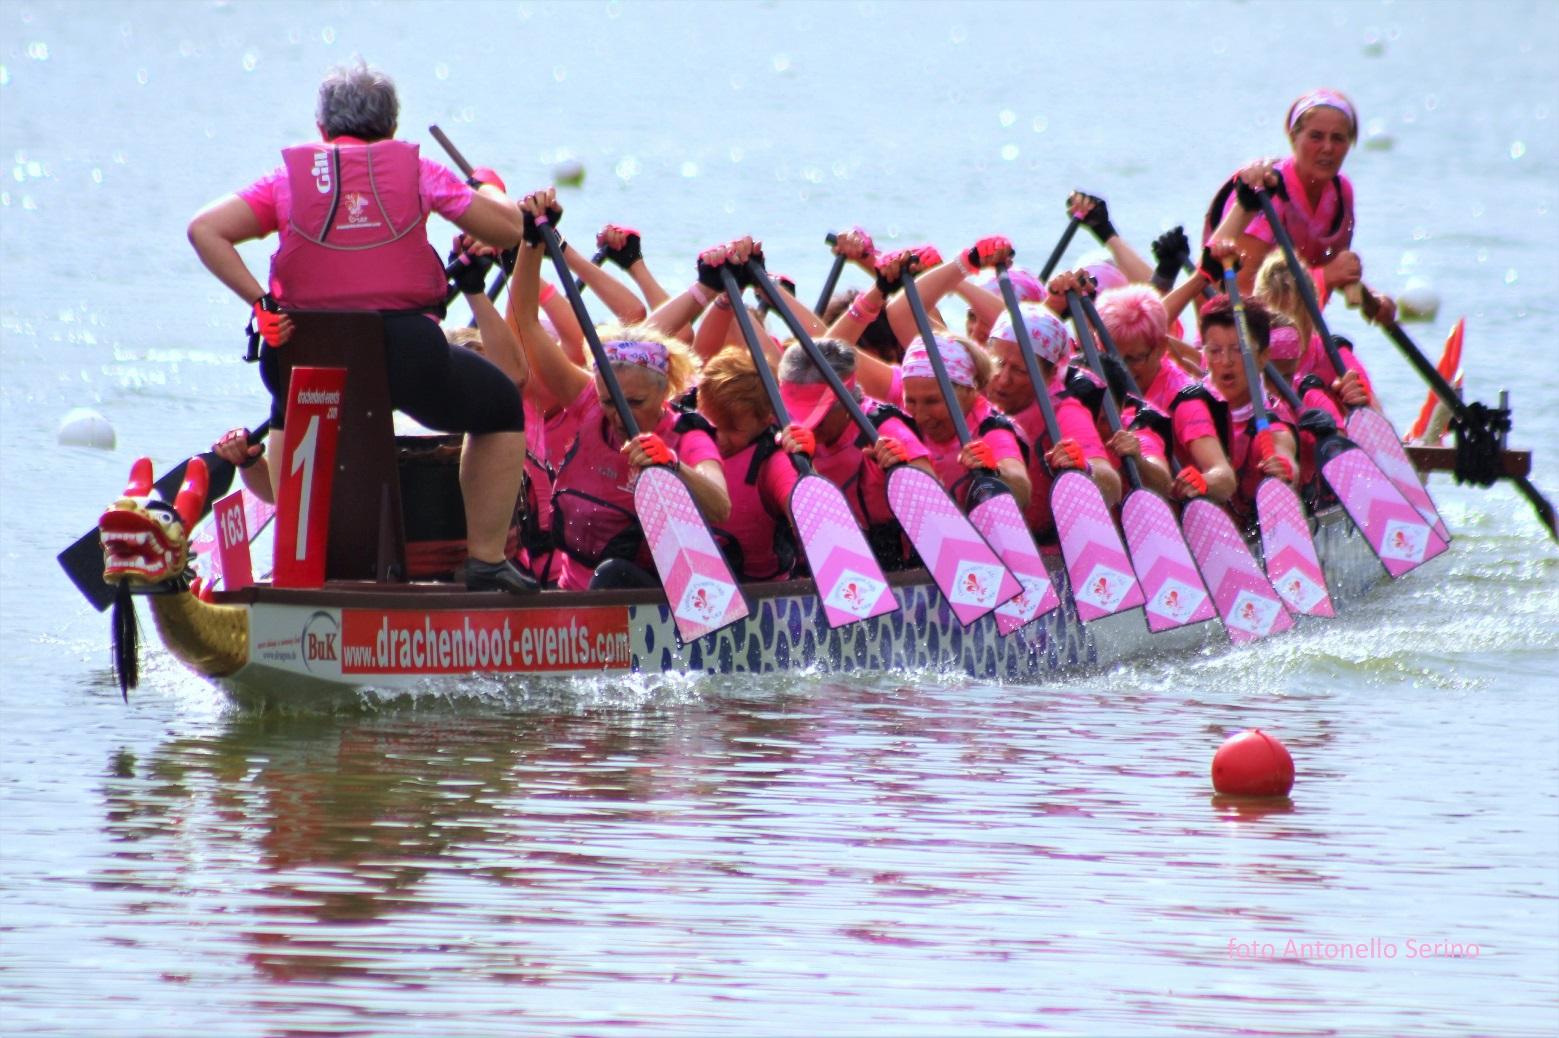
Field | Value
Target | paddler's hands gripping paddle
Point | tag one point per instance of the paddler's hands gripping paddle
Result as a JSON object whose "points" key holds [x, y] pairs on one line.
{"points": [[1096, 562], [970, 576], [996, 514], [849, 581], [703, 595], [1175, 592], [1443, 389], [1286, 544], [1401, 543]]}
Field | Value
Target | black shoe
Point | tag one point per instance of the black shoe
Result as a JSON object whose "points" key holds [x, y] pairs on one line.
{"points": [[499, 576]]}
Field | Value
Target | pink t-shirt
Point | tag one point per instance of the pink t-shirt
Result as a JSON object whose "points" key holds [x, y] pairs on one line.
{"points": [[857, 473], [944, 455], [1075, 423], [758, 509], [1171, 378]]}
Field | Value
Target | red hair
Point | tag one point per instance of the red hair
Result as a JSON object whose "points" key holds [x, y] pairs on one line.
{"points": [[1134, 314]]}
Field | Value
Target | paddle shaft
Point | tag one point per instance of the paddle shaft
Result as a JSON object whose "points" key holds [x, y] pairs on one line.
{"points": [[831, 281], [1112, 414], [928, 337], [1447, 393], [1055, 254], [851, 405], [1302, 279], [1020, 329], [733, 292], [1284, 389], [1258, 401]]}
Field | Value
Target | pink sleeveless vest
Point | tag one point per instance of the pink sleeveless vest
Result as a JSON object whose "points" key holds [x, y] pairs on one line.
{"points": [[357, 231], [752, 525]]}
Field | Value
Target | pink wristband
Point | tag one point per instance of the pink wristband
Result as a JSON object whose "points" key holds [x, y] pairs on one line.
{"points": [[863, 311], [548, 290], [701, 293], [965, 265]]}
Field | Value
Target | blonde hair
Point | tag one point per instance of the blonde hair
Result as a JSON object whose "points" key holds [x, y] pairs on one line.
{"points": [[681, 363], [470, 338], [730, 386], [1276, 287], [984, 366]]}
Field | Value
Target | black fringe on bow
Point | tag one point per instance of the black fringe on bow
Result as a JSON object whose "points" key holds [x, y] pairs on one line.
{"points": [[126, 631]]}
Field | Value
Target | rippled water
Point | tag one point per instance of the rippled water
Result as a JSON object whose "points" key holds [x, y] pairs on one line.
{"points": [[911, 854]]}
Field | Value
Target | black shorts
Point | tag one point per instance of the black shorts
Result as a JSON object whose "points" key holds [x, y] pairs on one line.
{"points": [[446, 388]]}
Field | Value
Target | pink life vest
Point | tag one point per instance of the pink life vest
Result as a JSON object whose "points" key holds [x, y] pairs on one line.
{"points": [[357, 231], [1318, 235], [756, 539]]}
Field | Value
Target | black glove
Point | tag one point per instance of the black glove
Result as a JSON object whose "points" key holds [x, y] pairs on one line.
{"points": [[468, 273], [532, 235], [1212, 267], [1171, 249], [1247, 194], [629, 254], [709, 274], [884, 286], [1098, 219], [507, 258]]}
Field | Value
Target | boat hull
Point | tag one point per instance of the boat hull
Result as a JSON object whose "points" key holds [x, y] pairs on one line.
{"points": [[349, 637]]}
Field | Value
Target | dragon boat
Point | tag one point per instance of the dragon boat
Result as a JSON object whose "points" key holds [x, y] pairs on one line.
{"points": [[366, 627]]}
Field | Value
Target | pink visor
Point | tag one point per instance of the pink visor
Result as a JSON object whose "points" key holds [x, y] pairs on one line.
{"points": [[810, 402]]}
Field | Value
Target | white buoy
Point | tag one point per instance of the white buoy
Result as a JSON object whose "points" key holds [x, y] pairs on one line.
{"points": [[1418, 301], [569, 173], [84, 427]]}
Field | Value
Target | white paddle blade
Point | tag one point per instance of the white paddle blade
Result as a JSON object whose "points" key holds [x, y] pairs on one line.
{"points": [[849, 580], [970, 576], [1247, 603], [704, 596]]}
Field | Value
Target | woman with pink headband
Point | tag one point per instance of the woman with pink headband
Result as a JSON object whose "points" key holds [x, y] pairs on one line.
{"points": [[1012, 390], [594, 524], [1318, 212]]}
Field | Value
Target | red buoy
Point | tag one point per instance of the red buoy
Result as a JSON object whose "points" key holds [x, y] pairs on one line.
{"points": [[1253, 764]]}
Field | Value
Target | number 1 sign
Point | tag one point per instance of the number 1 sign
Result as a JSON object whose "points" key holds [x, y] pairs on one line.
{"points": [[303, 498]]}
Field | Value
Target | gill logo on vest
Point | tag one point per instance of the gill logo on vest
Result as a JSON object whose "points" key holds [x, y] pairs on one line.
{"points": [[322, 172]]}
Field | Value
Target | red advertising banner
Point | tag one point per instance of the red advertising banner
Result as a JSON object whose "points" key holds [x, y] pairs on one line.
{"points": [[417, 641], [303, 497], [233, 542]]}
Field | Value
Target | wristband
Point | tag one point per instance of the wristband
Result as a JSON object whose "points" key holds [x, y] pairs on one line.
{"points": [[548, 290], [700, 293], [864, 311]]}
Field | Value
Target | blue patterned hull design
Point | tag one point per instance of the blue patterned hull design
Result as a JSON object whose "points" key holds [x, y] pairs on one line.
{"points": [[791, 632]]}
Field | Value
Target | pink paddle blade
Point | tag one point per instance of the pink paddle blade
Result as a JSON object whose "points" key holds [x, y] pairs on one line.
{"points": [[1096, 562], [1249, 607], [1175, 594], [1289, 550], [971, 577], [849, 581], [703, 594], [1396, 531], [1001, 523], [1370, 430]]}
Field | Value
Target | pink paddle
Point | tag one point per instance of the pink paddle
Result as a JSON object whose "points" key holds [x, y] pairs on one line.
{"points": [[1371, 431], [1174, 592], [1096, 562], [1247, 603], [1289, 550], [849, 580], [1393, 527], [999, 519], [968, 572]]}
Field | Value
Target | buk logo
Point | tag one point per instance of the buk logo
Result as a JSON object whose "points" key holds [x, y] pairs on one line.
{"points": [[320, 643], [356, 207], [322, 172]]}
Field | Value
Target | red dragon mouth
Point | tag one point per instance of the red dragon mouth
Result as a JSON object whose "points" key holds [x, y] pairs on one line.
{"points": [[137, 546]]}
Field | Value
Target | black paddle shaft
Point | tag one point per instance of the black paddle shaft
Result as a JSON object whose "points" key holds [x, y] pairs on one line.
{"points": [[831, 281], [733, 292], [1055, 254], [928, 337], [1258, 395], [1020, 329], [1112, 414], [761, 278], [1302, 279], [1276, 380]]}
